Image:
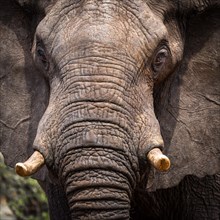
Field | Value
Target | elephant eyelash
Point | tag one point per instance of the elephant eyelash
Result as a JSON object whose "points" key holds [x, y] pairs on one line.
{"points": [[42, 55], [160, 60]]}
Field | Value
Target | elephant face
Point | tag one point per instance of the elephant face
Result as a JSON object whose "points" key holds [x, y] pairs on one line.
{"points": [[100, 66], [99, 70], [107, 65]]}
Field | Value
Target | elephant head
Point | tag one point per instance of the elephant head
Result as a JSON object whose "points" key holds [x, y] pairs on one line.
{"points": [[115, 83]]}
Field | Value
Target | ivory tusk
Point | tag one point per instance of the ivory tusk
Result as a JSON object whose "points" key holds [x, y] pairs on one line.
{"points": [[31, 166], [158, 160]]}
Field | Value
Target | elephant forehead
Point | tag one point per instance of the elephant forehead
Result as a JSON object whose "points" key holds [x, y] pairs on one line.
{"points": [[113, 23]]}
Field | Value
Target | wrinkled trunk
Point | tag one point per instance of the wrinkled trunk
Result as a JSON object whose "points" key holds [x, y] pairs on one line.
{"points": [[97, 187], [98, 176], [94, 158], [96, 120]]}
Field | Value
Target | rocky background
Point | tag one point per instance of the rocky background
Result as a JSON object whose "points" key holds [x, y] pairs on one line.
{"points": [[20, 198]]}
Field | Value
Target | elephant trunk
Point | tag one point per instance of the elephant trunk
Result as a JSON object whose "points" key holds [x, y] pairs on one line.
{"points": [[95, 161], [92, 136], [98, 184]]}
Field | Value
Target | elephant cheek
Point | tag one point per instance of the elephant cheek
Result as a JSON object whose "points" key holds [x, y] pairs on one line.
{"points": [[45, 138]]}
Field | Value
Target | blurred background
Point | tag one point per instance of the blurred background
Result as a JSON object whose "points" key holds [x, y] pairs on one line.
{"points": [[20, 198]]}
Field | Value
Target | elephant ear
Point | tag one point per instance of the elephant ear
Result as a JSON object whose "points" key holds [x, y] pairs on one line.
{"points": [[23, 91], [195, 5], [40, 7], [188, 105]]}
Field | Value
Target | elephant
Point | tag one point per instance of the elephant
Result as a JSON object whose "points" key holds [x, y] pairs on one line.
{"points": [[113, 106]]}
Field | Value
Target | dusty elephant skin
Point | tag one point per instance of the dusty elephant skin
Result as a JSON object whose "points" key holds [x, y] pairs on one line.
{"points": [[105, 83]]}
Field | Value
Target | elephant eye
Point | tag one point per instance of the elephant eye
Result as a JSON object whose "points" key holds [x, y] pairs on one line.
{"points": [[42, 55], [159, 61]]}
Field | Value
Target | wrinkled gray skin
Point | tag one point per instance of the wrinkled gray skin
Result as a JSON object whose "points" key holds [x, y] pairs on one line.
{"points": [[94, 100]]}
